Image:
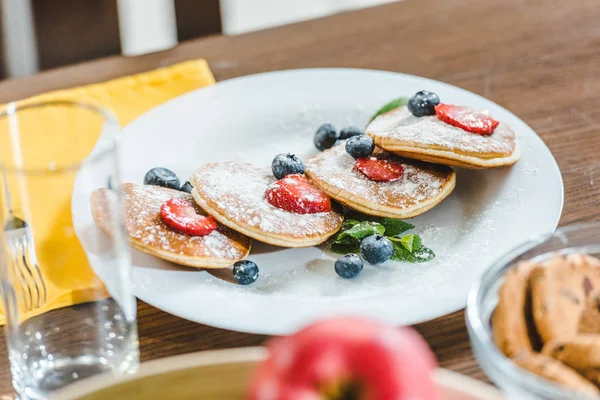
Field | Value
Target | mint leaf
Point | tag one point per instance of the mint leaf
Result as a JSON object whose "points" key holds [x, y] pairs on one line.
{"points": [[360, 231], [411, 242], [424, 254], [357, 226], [399, 102], [343, 248], [348, 223], [394, 227]]}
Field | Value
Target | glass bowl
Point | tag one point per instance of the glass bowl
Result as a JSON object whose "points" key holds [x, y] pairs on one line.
{"points": [[516, 382]]}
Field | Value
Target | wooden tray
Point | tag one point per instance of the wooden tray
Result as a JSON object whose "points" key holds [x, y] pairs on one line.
{"points": [[224, 374]]}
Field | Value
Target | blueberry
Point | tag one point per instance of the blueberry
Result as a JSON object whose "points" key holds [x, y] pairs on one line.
{"points": [[187, 187], [376, 249], [286, 164], [423, 103], [348, 266], [349, 131], [360, 146], [245, 272], [325, 137], [162, 177]]}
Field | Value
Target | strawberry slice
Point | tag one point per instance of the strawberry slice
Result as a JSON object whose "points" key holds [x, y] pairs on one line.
{"points": [[379, 170], [181, 216], [470, 120], [296, 194]]}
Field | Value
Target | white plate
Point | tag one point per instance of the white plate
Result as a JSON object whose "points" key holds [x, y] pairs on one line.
{"points": [[253, 118]]}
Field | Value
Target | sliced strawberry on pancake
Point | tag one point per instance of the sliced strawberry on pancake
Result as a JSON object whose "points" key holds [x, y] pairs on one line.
{"points": [[296, 194], [466, 118], [181, 216], [379, 170]]}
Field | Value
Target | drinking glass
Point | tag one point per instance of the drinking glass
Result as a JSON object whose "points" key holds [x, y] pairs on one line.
{"points": [[53, 155]]}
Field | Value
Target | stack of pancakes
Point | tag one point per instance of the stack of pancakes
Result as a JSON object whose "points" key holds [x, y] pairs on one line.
{"points": [[233, 192], [429, 139], [426, 147]]}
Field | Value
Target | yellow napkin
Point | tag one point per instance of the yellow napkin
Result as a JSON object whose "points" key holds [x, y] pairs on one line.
{"points": [[128, 98]]}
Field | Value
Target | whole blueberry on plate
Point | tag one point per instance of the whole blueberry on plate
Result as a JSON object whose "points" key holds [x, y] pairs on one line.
{"points": [[325, 137], [348, 266], [349, 131], [287, 164], [162, 177], [360, 146], [423, 103], [187, 187], [245, 272], [376, 249]]}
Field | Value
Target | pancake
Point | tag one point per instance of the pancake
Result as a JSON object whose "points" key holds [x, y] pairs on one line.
{"points": [[233, 193], [429, 139], [147, 232], [421, 187]]}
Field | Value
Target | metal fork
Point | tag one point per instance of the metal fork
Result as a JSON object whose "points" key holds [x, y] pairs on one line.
{"points": [[23, 258]]}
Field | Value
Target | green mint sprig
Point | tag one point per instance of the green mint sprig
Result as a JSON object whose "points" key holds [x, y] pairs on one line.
{"points": [[399, 102], [356, 227]]}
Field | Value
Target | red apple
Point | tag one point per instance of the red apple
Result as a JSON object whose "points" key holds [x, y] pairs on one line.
{"points": [[347, 358]]}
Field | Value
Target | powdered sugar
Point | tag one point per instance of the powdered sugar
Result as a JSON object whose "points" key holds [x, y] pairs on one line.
{"points": [[335, 168], [429, 131], [143, 222], [237, 191]]}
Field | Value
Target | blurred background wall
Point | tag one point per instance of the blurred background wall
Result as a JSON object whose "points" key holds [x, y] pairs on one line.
{"points": [[241, 16], [42, 34]]}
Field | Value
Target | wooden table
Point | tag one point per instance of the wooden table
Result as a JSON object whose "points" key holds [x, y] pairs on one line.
{"points": [[539, 59]]}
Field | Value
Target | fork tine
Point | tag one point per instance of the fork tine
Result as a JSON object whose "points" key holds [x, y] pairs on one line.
{"points": [[41, 282], [23, 293], [23, 276], [33, 261], [33, 278], [25, 289]]}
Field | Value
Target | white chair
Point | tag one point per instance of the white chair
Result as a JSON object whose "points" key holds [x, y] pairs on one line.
{"points": [[20, 50], [147, 26]]}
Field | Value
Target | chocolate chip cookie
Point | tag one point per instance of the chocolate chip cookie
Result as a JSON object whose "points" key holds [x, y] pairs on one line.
{"points": [[555, 371], [560, 290], [512, 322], [581, 353]]}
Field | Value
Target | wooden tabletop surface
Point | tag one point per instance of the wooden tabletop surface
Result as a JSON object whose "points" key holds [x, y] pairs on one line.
{"points": [[539, 59]]}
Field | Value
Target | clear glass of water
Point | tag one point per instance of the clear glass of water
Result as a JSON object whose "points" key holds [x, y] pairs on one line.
{"points": [[63, 323]]}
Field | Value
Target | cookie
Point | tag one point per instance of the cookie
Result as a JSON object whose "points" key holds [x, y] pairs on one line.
{"points": [[148, 233], [429, 139], [589, 323], [560, 289], [512, 322], [581, 353], [421, 187], [554, 370], [234, 194]]}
